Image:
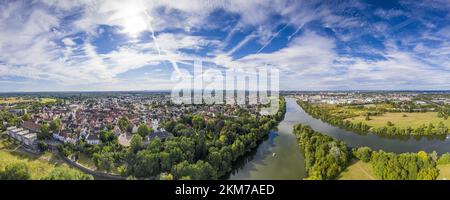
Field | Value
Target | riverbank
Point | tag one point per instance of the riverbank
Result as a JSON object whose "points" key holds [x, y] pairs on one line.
{"points": [[276, 158], [290, 160], [363, 121]]}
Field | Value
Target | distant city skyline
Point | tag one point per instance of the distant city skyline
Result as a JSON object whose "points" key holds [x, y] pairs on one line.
{"points": [[136, 45]]}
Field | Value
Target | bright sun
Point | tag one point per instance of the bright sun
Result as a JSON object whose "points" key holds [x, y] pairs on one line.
{"points": [[132, 19]]}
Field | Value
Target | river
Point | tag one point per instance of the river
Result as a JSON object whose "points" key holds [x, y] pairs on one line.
{"points": [[279, 157]]}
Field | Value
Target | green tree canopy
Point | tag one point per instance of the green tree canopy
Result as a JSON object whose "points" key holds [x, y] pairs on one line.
{"points": [[15, 171]]}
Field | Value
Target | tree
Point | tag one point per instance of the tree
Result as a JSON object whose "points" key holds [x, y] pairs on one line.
{"points": [[237, 149], [363, 153], [428, 174], [124, 124], [44, 132], [444, 159], [367, 117], [389, 123], [136, 143], [144, 130], [198, 122], [42, 146], [147, 164], [199, 171], [26, 117], [169, 125], [62, 173], [15, 171], [107, 137], [325, 157], [441, 129], [155, 145], [405, 166], [55, 125], [103, 160], [165, 176]]}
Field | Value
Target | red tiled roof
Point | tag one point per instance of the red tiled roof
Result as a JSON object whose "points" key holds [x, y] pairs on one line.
{"points": [[31, 126]]}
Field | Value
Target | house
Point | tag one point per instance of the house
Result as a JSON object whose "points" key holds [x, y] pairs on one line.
{"points": [[155, 124], [117, 131], [125, 139], [12, 131], [92, 139], [30, 139], [66, 136], [159, 134], [135, 129], [58, 136], [31, 126], [20, 135], [17, 111]]}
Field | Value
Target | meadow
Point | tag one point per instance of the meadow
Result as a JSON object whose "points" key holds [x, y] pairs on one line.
{"points": [[444, 172], [39, 165], [15, 100], [357, 170], [402, 120]]}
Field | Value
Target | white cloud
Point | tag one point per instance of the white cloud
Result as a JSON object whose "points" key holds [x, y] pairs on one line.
{"points": [[68, 42], [37, 42]]}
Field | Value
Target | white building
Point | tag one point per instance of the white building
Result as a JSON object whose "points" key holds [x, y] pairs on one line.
{"points": [[30, 139], [12, 131], [92, 139], [20, 135]]}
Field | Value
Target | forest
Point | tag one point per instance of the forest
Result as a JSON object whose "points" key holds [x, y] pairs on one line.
{"points": [[405, 166], [325, 157]]}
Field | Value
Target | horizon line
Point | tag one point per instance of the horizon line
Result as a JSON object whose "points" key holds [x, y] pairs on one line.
{"points": [[324, 90]]}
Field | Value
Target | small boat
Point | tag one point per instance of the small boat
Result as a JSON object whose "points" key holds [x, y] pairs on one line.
{"points": [[274, 154]]}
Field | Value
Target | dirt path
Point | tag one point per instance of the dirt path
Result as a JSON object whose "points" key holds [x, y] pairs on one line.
{"points": [[365, 172]]}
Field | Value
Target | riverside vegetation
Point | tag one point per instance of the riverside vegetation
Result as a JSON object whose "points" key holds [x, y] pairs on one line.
{"points": [[344, 118], [326, 158]]}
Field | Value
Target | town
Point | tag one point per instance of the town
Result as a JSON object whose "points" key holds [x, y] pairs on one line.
{"points": [[83, 119], [103, 133]]}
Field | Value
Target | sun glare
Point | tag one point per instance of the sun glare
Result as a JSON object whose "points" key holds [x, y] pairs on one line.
{"points": [[132, 19]]}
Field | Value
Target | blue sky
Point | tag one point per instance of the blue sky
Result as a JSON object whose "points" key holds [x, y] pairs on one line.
{"points": [[52, 45]]}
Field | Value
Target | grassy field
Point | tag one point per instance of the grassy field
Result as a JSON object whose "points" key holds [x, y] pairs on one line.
{"points": [[357, 170], [47, 100], [11, 100], [39, 165], [412, 119], [444, 172]]}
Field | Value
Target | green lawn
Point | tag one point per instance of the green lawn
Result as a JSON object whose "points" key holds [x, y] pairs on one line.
{"points": [[39, 165], [444, 172], [357, 170], [84, 160], [412, 120]]}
